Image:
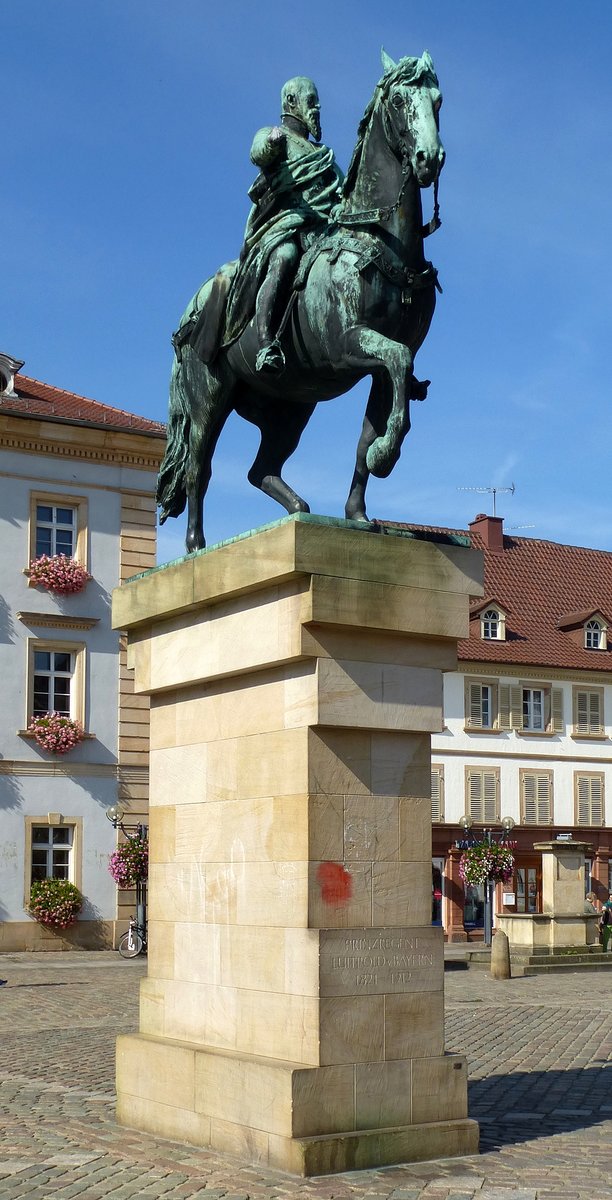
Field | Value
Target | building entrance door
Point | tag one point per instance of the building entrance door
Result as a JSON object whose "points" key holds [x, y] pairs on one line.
{"points": [[528, 884]]}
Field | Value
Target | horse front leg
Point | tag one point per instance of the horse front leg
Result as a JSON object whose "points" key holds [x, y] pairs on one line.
{"points": [[368, 349], [374, 426]]}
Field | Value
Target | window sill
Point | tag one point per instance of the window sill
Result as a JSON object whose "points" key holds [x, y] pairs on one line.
{"points": [[25, 733], [537, 733], [589, 737], [481, 729]]}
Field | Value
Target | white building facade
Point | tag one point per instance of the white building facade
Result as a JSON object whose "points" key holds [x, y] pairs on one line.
{"points": [[527, 723], [76, 478]]}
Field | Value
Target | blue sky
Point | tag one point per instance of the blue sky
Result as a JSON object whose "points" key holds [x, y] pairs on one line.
{"points": [[125, 166]]}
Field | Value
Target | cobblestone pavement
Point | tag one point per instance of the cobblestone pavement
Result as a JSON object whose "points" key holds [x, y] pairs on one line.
{"points": [[539, 1052]]}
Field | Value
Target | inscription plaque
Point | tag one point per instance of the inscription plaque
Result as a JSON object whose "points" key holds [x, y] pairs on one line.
{"points": [[358, 962]]}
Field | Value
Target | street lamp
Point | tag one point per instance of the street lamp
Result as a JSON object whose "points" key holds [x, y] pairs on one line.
{"points": [[133, 833], [490, 836]]}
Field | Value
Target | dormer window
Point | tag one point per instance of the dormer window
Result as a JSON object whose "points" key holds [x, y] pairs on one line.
{"points": [[595, 635], [493, 625], [8, 369]]}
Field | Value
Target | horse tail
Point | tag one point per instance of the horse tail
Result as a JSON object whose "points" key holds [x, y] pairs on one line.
{"points": [[171, 488]]}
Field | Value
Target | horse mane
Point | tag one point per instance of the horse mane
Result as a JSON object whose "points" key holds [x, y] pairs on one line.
{"points": [[407, 70]]}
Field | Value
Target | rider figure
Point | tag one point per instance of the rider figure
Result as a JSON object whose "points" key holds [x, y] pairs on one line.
{"points": [[299, 185]]}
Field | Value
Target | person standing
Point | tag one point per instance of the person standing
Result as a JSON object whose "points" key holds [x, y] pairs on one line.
{"points": [[605, 923]]}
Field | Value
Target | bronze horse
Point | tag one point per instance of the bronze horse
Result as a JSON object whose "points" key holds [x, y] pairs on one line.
{"points": [[364, 308]]}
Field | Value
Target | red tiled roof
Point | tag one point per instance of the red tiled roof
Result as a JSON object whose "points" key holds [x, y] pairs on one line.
{"points": [[35, 399], [537, 584]]}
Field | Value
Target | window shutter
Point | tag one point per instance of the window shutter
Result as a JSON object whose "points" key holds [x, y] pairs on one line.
{"points": [[475, 795], [595, 713], [530, 804], [436, 794], [582, 713], [482, 796], [490, 796], [589, 717], [516, 707], [557, 710], [504, 707], [475, 706], [589, 800], [537, 790]]}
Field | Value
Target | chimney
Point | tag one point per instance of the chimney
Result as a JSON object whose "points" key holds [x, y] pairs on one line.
{"points": [[490, 530]]}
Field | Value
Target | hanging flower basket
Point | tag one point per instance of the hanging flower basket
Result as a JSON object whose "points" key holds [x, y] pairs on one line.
{"points": [[56, 733], [59, 574], [482, 862], [55, 903], [129, 863]]}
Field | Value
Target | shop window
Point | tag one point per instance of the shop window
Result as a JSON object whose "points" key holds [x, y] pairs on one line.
{"points": [[437, 889]]}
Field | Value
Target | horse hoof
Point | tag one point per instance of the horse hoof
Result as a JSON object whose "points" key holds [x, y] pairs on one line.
{"points": [[194, 542]]}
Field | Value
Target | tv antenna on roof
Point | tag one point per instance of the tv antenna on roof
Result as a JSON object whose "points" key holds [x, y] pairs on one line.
{"points": [[492, 490]]}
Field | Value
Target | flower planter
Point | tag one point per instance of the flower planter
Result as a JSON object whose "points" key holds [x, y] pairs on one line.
{"points": [[484, 862], [129, 863], [56, 733], [55, 903], [58, 574]]}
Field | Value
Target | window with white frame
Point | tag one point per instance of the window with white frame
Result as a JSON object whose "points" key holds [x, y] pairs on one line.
{"points": [[481, 708], [437, 793], [595, 635], [541, 708], [589, 797], [588, 712], [534, 709], [51, 851], [482, 795], [58, 525], [53, 676], [493, 625], [56, 679], [56, 530], [536, 797]]}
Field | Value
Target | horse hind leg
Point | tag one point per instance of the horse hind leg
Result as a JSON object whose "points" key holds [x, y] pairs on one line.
{"points": [[281, 426]]}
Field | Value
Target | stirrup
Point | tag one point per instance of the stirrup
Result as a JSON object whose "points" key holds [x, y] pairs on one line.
{"points": [[270, 359]]}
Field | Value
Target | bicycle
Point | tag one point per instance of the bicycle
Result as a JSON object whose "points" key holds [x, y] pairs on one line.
{"points": [[134, 941]]}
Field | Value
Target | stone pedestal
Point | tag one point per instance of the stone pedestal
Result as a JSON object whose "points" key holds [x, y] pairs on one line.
{"points": [[293, 1010], [562, 922]]}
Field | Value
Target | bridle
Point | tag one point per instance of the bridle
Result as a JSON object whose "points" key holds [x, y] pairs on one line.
{"points": [[378, 216]]}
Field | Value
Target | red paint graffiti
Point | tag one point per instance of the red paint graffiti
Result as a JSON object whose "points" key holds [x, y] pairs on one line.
{"points": [[336, 883]]}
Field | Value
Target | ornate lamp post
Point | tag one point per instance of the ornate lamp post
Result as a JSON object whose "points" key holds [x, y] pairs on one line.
{"points": [[491, 867], [133, 833]]}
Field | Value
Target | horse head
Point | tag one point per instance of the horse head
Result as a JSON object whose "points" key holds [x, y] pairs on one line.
{"points": [[411, 100]]}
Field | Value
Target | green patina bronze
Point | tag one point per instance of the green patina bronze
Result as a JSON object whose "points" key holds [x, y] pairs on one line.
{"points": [[332, 284]]}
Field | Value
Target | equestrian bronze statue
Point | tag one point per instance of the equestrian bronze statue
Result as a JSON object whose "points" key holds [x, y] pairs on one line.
{"points": [[332, 284]]}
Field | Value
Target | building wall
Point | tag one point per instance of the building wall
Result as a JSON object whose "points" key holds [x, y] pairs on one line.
{"points": [[111, 764], [457, 749]]}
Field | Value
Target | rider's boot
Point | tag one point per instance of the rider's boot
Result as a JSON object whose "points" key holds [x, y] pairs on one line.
{"points": [[270, 360]]}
